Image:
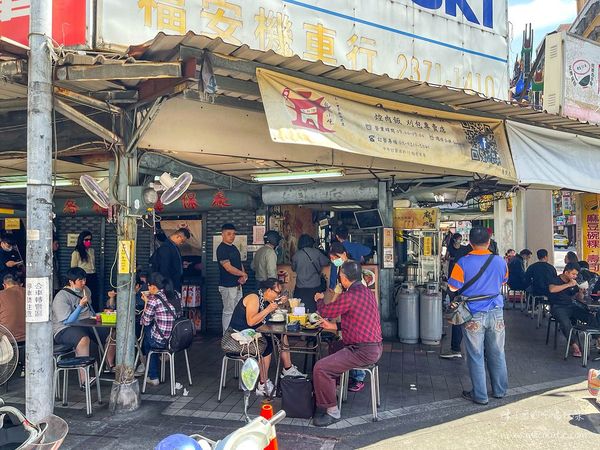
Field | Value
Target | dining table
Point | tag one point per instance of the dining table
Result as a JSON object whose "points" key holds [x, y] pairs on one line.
{"points": [[277, 330]]}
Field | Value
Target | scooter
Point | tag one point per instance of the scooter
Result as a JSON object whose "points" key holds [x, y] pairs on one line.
{"points": [[16, 432], [255, 435]]}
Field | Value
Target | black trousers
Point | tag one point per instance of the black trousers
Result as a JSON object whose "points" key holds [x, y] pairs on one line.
{"points": [[566, 315]]}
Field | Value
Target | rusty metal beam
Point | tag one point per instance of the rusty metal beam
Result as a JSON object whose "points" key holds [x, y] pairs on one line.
{"points": [[87, 101], [87, 123], [133, 71]]}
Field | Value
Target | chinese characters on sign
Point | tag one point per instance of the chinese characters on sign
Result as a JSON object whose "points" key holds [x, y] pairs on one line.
{"points": [[220, 200], [442, 47], [591, 231], [415, 218], [37, 303]]}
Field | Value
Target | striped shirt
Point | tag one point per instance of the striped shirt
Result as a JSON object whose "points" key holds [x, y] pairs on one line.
{"points": [[490, 283], [156, 313]]}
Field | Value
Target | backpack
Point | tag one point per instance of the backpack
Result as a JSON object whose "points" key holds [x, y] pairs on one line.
{"points": [[297, 398], [182, 333]]}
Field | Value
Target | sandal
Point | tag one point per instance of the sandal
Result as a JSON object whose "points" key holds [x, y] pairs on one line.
{"points": [[576, 353]]}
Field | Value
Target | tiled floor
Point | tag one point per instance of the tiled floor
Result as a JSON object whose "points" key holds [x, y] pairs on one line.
{"points": [[412, 377]]}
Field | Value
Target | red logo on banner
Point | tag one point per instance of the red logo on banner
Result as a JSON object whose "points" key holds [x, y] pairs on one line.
{"points": [[71, 207], [188, 201], [220, 201], [99, 209], [311, 114], [158, 206], [68, 21]]}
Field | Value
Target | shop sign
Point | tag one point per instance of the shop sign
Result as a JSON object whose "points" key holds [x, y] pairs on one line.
{"points": [[125, 257], [68, 21], [571, 85], [427, 246], [591, 231], [415, 218], [302, 112], [12, 223], [72, 239], [220, 200], [463, 44]]}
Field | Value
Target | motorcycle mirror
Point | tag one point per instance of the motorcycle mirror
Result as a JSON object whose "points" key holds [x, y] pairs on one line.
{"points": [[249, 374]]}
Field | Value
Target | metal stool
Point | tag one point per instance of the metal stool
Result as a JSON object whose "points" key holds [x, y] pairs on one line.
{"points": [[76, 363], [238, 360], [59, 352], [587, 333], [373, 371], [538, 304], [171, 355], [550, 320], [520, 294]]}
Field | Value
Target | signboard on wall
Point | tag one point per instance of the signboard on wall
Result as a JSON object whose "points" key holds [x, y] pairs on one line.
{"points": [[571, 86], [462, 44], [415, 218], [307, 113], [68, 21], [591, 231]]}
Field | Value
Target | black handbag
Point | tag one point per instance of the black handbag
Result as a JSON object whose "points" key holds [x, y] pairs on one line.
{"points": [[297, 398], [182, 333], [461, 313]]}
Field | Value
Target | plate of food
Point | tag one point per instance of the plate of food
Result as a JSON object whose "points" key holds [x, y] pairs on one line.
{"points": [[369, 277], [310, 326]]}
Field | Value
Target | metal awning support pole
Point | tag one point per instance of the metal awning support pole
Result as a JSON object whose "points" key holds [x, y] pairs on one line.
{"points": [[125, 396], [39, 396], [389, 326]]}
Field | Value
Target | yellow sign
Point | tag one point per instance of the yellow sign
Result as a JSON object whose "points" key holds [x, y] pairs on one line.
{"points": [[12, 223], [126, 257], [591, 231], [302, 112], [7, 211], [388, 238], [415, 218], [427, 246]]}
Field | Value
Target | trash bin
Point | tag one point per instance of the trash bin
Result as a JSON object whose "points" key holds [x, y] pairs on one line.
{"points": [[431, 315], [407, 301]]}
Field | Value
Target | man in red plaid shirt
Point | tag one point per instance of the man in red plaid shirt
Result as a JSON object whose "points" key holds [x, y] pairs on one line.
{"points": [[361, 335]]}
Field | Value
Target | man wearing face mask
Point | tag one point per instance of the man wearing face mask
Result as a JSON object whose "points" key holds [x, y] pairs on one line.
{"points": [[9, 258], [361, 335]]}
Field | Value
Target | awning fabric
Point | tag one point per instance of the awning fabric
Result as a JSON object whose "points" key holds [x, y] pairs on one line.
{"points": [[554, 158], [302, 112]]}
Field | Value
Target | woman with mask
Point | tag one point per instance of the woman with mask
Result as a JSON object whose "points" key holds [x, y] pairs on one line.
{"points": [[71, 304], [83, 257]]}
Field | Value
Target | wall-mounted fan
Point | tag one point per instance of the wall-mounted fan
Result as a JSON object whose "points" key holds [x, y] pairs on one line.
{"points": [[97, 191], [172, 188]]}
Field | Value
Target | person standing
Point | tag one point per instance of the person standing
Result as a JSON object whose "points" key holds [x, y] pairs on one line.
{"points": [[264, 263], [166, 259], [486, 329], [10, 261], [12, 306], [84, 257], [308, 263], [231, 273]]}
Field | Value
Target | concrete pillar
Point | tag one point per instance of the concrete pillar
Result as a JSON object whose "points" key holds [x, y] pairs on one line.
{"points": [[533, 221], [504, 226]]}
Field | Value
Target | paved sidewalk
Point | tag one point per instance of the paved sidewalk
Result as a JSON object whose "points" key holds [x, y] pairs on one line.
{"points": [[565, 418], [414, 383]]}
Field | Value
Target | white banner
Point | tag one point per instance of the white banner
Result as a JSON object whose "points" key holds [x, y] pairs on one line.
{"points": [[554, 158], [459, 43]]}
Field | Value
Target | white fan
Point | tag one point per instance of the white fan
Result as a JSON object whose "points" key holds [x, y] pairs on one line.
{"points": [[173, 187], [9, 355], [97, 191]]}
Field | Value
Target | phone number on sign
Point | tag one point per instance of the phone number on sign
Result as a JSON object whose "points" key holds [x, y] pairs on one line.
{"points": [[417, 69]]}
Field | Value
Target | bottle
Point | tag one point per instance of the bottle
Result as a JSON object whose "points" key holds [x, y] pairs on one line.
{"points": [[375, 257]]}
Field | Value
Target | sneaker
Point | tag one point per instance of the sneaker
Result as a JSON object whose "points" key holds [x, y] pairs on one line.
{"points": [[467, 395], [451, 355], [141, 370], [264, 389], [292, 372], [153, 381], [356, 386]]}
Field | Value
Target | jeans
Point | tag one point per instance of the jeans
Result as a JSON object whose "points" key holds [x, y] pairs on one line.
{"points": [[358, 375], [148, 344], [457, 336], [485, 332], [230, 296], [566, 314]]}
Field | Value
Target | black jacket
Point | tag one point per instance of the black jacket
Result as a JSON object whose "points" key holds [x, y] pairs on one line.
{"points": [[516, 274], [166, 260]]}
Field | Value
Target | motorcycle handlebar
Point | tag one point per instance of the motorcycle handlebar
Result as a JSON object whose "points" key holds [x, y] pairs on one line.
{"points": [[278, 417]]}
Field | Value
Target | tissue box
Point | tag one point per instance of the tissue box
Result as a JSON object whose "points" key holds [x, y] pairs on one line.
{"points": [[110, 317]]}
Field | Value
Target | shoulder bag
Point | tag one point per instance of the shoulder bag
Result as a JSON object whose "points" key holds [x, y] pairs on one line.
{"points": [[461, 313], [182, 333], [323, 285]]}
